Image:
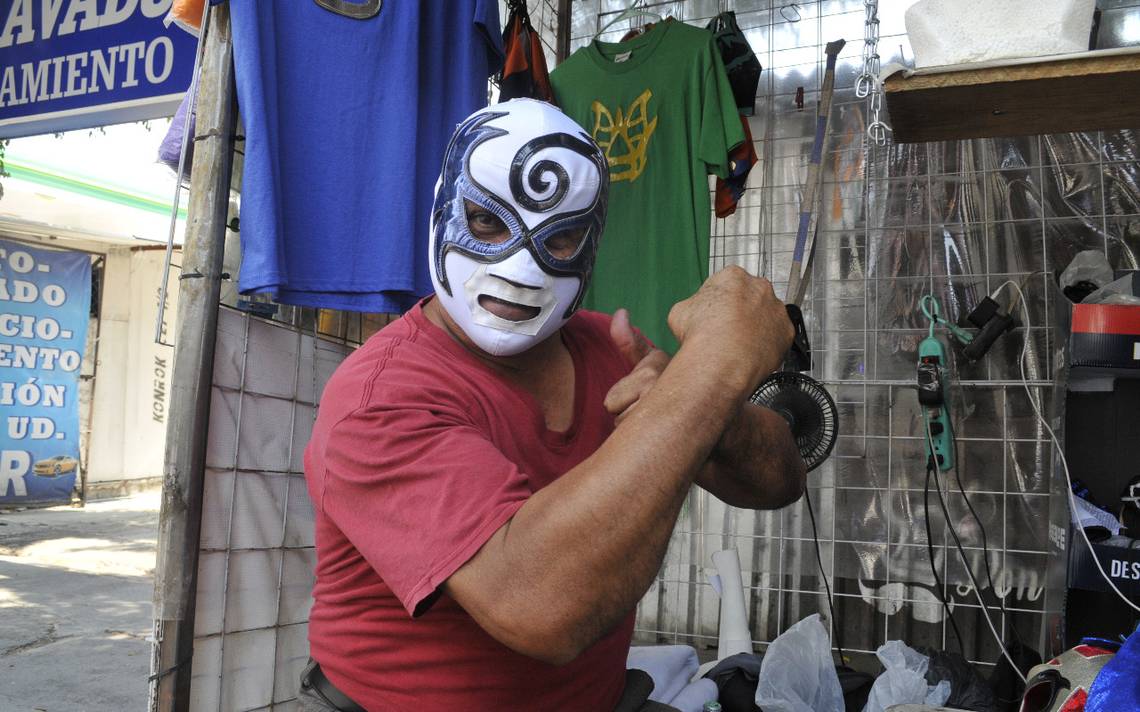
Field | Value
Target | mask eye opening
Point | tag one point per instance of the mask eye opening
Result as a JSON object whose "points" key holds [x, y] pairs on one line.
{"points": [[559, 254], [485, 225], [566, 244]]}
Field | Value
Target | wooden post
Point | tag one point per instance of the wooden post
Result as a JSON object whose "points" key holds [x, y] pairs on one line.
{"points": [[562, 48], [179, 526]]}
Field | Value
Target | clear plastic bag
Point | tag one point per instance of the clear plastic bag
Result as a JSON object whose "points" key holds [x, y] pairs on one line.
{"points": [[904, 679], [1088, 266], [797, 673], [1114, 292]]}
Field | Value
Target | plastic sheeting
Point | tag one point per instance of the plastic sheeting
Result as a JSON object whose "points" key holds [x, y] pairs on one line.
{"points": [[953, 218]]}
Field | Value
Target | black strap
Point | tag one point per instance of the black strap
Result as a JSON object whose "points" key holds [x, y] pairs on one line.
{"points": [[312, 678]]}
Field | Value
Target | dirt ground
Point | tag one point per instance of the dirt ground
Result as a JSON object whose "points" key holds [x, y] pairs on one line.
{"points": [[76, 586]]}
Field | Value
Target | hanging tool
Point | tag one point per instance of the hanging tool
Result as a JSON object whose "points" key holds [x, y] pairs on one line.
{"points": [[802, 253], [933, 379], [992, 321], [801, 400]]}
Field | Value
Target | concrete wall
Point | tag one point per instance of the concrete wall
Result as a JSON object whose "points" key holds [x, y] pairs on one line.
{"points": [[132, 378]]}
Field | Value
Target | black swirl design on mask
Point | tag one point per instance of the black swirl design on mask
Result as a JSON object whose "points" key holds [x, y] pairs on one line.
{"points": [[537, 179]]}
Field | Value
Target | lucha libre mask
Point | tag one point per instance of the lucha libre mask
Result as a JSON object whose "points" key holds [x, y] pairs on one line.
{"points": [[541, 174]]}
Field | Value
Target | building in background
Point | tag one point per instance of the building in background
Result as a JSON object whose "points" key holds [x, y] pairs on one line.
{"points": [[97, 193]]}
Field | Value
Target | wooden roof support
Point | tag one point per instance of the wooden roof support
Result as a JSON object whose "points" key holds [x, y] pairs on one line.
{"points": [[1084, 93]]}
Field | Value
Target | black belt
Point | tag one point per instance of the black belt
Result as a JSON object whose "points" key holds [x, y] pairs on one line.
{"points": [[312, 678]]}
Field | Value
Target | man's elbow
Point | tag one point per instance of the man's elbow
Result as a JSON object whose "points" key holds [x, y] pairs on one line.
{"points": [[553, 649], [546, 636], [794, 481], [558, 654]]}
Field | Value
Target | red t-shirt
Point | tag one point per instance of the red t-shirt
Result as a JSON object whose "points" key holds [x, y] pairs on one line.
{"points": [[421, 452]]}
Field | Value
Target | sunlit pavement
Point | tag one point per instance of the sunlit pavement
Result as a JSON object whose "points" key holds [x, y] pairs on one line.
{"points": [[76, 586]]}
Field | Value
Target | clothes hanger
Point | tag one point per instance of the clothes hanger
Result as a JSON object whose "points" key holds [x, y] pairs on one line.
{"points": [[636, 31], [629, 13], [791, 12]]}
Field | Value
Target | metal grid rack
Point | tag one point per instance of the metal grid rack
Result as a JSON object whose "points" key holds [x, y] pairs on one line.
{"points": [[954, 219], [256, 555], [257, 558]]}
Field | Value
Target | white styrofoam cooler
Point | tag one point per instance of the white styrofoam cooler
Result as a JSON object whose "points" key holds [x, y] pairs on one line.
{"points": [[946, 32]]}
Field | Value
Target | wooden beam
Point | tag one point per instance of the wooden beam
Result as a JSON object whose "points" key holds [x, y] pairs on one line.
{"points": [[1080, 94], [180, 519], [562, 50]]}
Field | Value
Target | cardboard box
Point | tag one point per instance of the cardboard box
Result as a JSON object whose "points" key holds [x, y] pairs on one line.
{"points": [[1105, 336]]}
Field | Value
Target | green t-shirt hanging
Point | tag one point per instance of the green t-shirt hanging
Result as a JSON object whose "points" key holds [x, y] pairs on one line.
{"points": [[661, 107]]}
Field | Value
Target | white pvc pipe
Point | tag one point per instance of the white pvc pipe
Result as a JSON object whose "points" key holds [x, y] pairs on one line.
{"points": [[734, 633]]}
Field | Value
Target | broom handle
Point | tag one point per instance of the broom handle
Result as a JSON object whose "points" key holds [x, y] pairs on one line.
{"points": [[808, 215]]}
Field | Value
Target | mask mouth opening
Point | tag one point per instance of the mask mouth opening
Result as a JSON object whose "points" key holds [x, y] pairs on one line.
{"points": [[507, 310]]}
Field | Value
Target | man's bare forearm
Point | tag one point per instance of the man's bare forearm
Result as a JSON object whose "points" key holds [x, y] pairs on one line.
{"points": [[755, 464], [581, 552]]}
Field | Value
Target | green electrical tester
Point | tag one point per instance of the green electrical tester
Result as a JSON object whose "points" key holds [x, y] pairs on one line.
{"points": [[932, 381]]}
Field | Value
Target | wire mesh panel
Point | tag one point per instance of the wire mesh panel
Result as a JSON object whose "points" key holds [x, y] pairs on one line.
{"points": [[255, 573], [257, 561], [955, 219]]}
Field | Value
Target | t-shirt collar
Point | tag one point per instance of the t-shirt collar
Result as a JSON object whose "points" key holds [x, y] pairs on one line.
{"points": [[642, 46]]}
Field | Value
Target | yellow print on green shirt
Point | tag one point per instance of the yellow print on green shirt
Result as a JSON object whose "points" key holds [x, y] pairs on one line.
{"points": [[624, 137]]}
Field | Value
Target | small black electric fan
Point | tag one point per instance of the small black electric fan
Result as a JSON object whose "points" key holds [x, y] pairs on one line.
{"points": [[801, 400]]}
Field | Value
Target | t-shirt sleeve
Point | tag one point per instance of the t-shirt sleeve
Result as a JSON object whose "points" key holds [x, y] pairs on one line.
{"points": [[720, 120], [487, 24], [417, 488]]}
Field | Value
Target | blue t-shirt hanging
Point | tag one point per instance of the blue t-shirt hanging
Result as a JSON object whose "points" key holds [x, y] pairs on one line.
{"points": [[347, 107]]}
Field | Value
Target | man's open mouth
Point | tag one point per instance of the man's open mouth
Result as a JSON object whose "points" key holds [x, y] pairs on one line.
{"points": [[508, 310]]}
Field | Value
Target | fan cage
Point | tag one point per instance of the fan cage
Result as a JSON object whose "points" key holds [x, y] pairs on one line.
{"points": [[816, 444]]}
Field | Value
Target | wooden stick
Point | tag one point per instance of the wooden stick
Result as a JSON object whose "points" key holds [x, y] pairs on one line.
{"points": [[808, 213]]}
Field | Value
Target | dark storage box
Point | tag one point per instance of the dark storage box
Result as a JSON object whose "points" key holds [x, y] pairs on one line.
{"points": [[1122, 566], [1105, 336]]}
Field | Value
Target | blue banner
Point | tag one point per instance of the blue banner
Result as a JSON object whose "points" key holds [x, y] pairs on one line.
{"points": [[45, 302], [70, 64]]}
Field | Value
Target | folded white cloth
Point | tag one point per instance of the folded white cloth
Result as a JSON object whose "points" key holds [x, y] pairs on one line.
{"points": [[670, 666]]}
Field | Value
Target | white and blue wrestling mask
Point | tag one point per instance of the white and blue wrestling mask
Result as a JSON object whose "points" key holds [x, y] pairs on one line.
{"points": [[518, 211]]}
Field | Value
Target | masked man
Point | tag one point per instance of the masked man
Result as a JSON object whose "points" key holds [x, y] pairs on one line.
{"points": [[496, 474]]}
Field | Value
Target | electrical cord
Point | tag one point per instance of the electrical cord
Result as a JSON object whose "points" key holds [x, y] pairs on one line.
{"points": [[965, 561], [1015, 301], [985, 550], [936, 317], [931, 310], [823, 575], [938, 588], [1061, 454]]}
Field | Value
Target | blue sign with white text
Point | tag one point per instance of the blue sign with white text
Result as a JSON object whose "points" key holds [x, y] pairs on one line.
{"points": [[45, 302], [70, 64]]}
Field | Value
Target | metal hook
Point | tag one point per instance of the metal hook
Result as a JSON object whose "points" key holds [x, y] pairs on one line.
{"points": [[877, 130], [794, 7]]}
